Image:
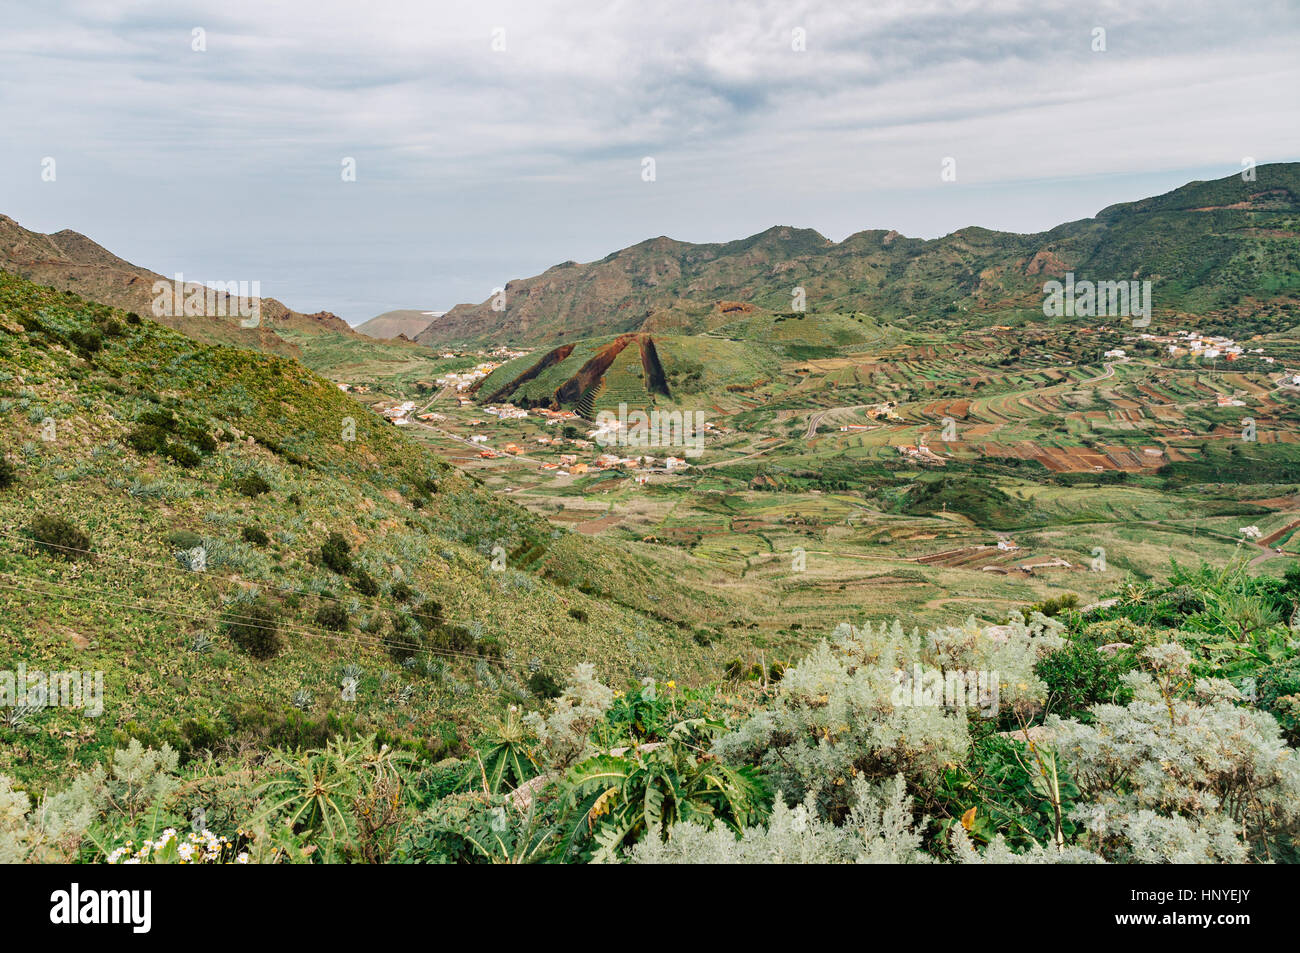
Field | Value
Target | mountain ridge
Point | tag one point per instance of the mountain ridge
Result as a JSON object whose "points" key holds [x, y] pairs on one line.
{"points": [[72, 262], [1195, 230]]}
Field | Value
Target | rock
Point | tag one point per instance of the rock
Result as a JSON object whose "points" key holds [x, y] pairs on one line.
{"points": [[1036, 734], [1103, 604], [998, 633], [1110, 648]]}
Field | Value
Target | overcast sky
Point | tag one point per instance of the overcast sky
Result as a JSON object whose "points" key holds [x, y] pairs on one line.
{"points": [[475, 165]]}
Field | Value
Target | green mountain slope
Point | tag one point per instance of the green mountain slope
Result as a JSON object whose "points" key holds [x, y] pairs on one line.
{"points": [[639, 370], [70, 261], [153, 446], [1209, 247]]}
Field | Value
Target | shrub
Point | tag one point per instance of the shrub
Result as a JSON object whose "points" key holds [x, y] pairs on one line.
{"points": [[147, 439], [8, 473], [182, 454], [1201, 780], [1278, 689], [252, 485], [401, 641], [159, 431], [452, 638], [334, 553], [847, 709], [881, 829], [1056, 605], [255, 536], [59, 537], [1079, 676], [578, 614], [184, 539], [86, 342], [401, 592], [544, 685], [363, 583], [428, 615], [332, 616], [254, 629]]}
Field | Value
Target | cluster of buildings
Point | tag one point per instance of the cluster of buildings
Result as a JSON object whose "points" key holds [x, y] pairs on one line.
{"points": [[511, 412], [505, 412], [462, 381], [1208, 347], [921, 454], [401, 414], [570, 465]]}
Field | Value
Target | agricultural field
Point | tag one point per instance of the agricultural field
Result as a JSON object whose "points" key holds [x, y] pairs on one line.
{"points": [[900, 472]]}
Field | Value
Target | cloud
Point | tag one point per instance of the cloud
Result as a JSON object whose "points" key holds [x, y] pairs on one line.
{"points": [[504, 162]]}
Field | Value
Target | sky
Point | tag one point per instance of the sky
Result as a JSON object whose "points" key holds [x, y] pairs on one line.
{"points": [[494, 139]]}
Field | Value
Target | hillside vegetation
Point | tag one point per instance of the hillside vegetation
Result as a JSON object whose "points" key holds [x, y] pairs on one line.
{"points": [[1159, 729], [228, 537]]}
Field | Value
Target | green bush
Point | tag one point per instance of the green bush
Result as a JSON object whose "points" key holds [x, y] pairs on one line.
{"points": [[1079, 676], [255, 536], [332, 616], [182, 454], [184, 539], [86, 342], [401, 592], [401, 639], [1278, 691], [59, 537], [544, 685], [159, 431], [8, 473], [1055, 605], [252, 485], [334, 554], [428, 615], [254, 629], [364, 583], [452, 638], [147, 439]]}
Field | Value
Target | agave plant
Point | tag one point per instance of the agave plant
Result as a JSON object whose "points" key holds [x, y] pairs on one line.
{"points": [[314, 791], [16, 718], [619, 799], [507, 760]]}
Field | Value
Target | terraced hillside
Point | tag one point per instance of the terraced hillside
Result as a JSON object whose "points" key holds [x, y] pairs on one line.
{"points": [[640, 370]]}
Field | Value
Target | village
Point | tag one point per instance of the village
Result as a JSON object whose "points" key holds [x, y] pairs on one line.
{"points": [[557, 443]]}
